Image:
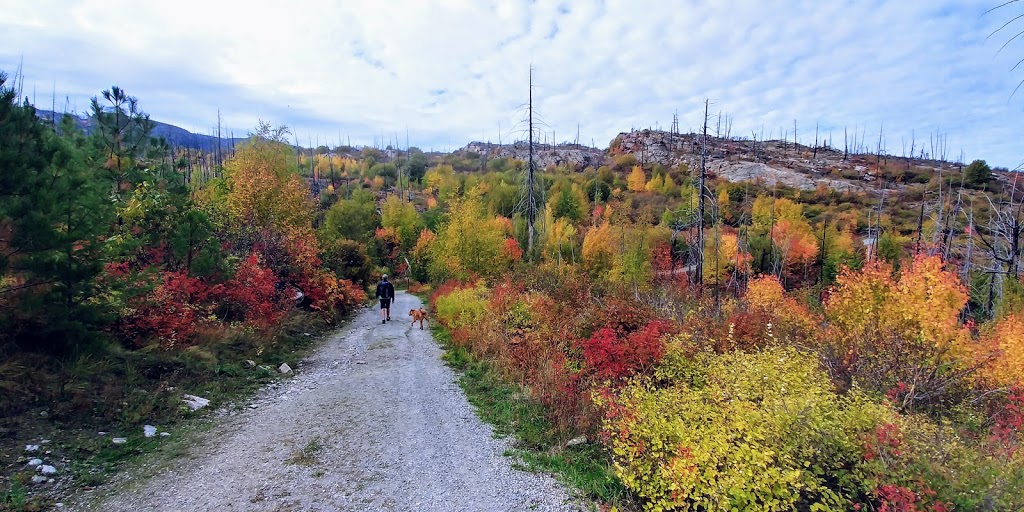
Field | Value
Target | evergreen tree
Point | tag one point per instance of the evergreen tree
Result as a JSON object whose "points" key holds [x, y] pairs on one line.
{"points": [[55, 212], [978, 173]]}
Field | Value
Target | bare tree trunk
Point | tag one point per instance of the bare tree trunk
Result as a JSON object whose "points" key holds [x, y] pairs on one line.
{"points": [[531, 210], [815, 140], [846, 146], [699, 271]]}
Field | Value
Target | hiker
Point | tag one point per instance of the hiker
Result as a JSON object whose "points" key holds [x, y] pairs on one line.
{"points": [[386, 294]]}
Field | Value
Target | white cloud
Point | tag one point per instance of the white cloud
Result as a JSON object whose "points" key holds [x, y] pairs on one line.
{"points": [[455, 70]]}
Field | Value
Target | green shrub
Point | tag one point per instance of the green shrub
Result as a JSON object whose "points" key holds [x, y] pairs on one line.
{"points": [[462, 307], [760, 431]]}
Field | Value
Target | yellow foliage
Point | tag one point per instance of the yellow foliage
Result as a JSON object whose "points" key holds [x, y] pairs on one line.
{"points": [[904, 330], [657, 184], [766, 294], [723, 257], [637, 181], [738, 431], [1003, 351], [763, 213], [469, 241], [669, 186], [440, 181], [599, 249], [264, 192], [560, 237], [464, 307]]}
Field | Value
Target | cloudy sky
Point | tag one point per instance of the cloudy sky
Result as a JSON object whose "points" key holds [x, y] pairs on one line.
{"points": [[451, 71]]}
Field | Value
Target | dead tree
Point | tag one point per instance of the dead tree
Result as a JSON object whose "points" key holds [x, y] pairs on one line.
{"points": [[846, 145], [815, 140], [1005, 228], [699, 271], [531, 207]]}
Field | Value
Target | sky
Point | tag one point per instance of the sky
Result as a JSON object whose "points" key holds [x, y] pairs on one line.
{"points": [[447, 72]]}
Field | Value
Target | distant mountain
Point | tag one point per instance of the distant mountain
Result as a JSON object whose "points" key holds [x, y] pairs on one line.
{"points": [[174, 135]]}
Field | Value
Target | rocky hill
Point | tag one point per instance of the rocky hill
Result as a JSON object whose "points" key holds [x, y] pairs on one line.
{"points": [[545, 155], [774, 161], [737, 160]]}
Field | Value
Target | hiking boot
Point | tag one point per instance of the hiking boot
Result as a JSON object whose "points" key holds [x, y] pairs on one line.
{"points": [[382, 321], [389, 319]]}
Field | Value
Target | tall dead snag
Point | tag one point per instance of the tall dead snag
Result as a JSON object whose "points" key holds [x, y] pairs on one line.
{"points": [[699, 271], [815, 140], [846, 145], [527, 205]]}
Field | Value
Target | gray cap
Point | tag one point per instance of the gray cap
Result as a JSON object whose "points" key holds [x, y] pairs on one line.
{"points": [[385, 276]]}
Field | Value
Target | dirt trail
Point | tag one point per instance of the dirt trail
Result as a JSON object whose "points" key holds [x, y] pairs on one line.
{"points": [[373, 420]]}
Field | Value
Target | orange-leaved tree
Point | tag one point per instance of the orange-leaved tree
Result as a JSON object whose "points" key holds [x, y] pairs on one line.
{"points": [[899, 333], [1001, 352]]}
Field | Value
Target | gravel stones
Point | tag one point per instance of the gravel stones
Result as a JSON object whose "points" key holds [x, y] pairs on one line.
{"points": [[394, 433]]}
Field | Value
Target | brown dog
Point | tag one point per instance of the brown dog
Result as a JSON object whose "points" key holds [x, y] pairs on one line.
{"points": [[419, 315]]}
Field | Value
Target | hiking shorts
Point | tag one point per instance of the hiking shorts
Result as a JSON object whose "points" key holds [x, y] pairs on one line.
{"points": [[385, 303]]}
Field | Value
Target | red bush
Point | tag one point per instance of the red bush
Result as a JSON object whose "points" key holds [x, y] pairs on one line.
{"points": [[251, 295], [609, 355], [621, 316], [1009, 422], [169, 313]]}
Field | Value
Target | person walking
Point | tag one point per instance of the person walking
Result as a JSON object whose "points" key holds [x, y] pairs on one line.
{"points": [[386, 294]]}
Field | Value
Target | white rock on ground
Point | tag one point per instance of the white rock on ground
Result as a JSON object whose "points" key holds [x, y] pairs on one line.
{"points": [[119, 440], [37, 479], [576, 441], [396, 433], [35, 463], [284, 368], [47, 470], [31, 448], [148, 430], [194, 402]]}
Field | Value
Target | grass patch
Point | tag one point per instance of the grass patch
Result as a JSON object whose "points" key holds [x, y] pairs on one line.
{"points": [[307, 455], [510, 411], [15, 498]]}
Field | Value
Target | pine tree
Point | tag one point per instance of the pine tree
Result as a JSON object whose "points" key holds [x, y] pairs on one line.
{"points": [[56, 212]]}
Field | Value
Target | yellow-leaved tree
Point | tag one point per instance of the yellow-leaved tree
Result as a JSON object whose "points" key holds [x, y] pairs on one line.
{"points": [[264, 190], [657, 184], [901, 335], [470, 241], [637, 181], [723, 258], [599, 249], [560, 240], [1001, 351]]}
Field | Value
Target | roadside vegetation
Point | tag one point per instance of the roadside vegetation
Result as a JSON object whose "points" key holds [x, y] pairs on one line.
{"points": [[658, 336]]}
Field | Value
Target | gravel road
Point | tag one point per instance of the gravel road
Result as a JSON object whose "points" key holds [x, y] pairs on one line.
{"points": [[373, 420]]}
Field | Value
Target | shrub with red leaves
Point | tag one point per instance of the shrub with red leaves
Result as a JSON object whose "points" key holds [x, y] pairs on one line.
{"points": [[1009, 422], [251, 295], [621, 316], [896, 498], [611, 356], [169, 313]]}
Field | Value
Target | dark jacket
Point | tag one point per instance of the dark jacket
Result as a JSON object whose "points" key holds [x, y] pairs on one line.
{"points": [[385, 290]]}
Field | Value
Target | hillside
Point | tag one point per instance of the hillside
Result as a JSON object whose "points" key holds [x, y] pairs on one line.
{"points": [[740, 160], [174, 135]]}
